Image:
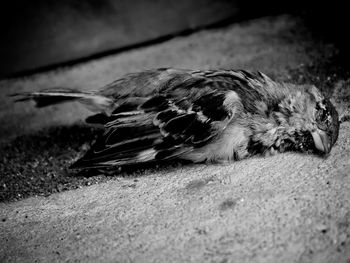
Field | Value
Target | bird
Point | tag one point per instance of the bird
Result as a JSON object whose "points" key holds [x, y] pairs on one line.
{"points": [[200, 116]]}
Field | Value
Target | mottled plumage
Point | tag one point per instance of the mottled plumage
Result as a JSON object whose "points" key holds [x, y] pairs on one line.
{"points": [[213, 116]]}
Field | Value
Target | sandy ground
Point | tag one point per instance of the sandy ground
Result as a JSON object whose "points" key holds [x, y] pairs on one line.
{"points": [[284, 208]]}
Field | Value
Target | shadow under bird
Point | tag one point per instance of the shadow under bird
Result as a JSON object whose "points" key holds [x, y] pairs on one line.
{"points": [[200, 116]]}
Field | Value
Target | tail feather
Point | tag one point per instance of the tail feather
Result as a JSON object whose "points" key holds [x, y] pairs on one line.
{"points": [[47, 97]]}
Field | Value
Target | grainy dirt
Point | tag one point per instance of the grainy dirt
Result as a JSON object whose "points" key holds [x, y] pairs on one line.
{"points": [[37, 164], [284, 208]]}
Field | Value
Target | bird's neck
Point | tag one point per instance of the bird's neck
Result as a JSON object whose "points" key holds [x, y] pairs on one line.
{"points": [[268, 135]]}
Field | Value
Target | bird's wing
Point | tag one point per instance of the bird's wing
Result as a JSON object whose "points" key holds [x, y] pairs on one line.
{"points": [[250, 86], [166, 125], [145, 83]]}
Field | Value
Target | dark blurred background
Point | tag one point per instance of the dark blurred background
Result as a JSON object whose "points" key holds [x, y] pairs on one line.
{"points": [[42, 34]]}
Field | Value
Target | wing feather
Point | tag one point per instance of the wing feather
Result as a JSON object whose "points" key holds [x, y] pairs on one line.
{"points": [[180, 117]]}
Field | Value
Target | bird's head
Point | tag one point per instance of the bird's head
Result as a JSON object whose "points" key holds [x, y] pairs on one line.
{"points": [[312, 121]]}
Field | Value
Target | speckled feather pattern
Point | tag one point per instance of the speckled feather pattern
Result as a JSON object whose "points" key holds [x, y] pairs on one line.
{"points": [[213, 116]]}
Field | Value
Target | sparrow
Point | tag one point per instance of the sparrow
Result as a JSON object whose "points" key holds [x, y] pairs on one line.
{"points": [[199, 116]]}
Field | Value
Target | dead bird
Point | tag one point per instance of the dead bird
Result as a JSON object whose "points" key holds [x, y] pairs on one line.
{"points": [[200, 116]]}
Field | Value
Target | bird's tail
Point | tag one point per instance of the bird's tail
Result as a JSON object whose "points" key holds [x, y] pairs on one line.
{"points": [[43, 98]]}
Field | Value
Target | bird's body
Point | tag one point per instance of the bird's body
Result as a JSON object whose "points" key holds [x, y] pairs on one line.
{"points": [[213, 116]]}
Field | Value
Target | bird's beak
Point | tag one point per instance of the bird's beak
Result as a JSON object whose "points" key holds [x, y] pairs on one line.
{"points": [[321, 140]]}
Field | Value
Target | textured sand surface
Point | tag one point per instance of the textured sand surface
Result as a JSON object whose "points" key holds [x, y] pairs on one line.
{"points": [[283, 208]]}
